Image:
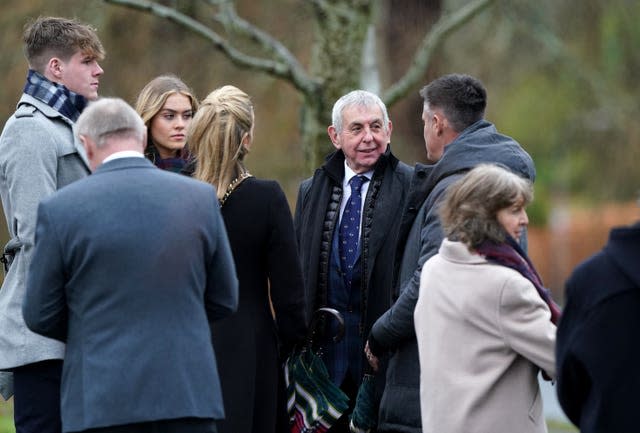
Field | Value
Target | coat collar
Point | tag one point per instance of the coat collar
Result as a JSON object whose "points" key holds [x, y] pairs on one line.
{"points": [[53, 114], [124, 163], [458, 252], [624, 249]]}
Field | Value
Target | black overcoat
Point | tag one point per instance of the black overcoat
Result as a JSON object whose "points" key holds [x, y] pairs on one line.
{"points": [[260, 228], [597, 350]]}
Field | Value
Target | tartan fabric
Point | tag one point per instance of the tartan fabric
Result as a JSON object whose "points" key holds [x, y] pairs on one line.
{"points": [[314, 403], [55, 95], [364, 417], [510, 254], [176, 164]]}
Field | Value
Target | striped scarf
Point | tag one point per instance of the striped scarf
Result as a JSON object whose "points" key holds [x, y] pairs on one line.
{"points": [[55, 95], [510, 254]]}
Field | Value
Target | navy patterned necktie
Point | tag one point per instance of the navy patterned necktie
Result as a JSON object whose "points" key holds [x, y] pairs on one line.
{"points": [[350, 226]]}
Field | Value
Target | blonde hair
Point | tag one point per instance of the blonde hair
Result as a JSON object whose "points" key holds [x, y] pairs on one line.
{"points": [[216, 135], [154, 95], [469, 211]]}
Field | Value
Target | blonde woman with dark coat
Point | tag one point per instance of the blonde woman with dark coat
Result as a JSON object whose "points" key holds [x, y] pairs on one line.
{"points": [[252, 343]]}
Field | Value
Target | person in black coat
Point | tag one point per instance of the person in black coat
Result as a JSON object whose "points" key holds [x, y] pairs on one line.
{"points": [[361, 290], [260, 229], [597, 350]]}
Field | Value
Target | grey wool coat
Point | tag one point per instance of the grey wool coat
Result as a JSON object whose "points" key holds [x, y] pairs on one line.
{"points": [[38, 155], [131, 266]]}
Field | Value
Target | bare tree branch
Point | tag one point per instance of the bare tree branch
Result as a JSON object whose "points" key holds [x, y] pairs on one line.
{"points": [[447, 24], [286, 69], [232, 22], [337, 9]]}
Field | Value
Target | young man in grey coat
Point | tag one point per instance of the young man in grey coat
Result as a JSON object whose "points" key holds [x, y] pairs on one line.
{"points": [[457, 138], [38, 155]]}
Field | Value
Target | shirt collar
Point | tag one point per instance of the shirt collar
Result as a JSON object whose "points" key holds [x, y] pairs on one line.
{"points": [[348, 174], [123, 154]]}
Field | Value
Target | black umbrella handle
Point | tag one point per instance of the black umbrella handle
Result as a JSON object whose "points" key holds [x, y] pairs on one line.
{"points": [[317, 316]]}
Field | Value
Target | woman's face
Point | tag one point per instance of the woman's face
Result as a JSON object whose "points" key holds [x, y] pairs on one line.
{"points": [[513, 219], [168, 127]]}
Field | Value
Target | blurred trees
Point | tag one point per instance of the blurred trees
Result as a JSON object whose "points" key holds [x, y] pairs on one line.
{"points": [[560, 77], [343, 53]]}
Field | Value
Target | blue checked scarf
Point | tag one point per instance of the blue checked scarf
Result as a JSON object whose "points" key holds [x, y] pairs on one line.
{"points": [[55, 95]]}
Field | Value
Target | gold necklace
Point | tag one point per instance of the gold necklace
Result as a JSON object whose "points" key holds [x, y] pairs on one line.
{"points": [[233, 185]]}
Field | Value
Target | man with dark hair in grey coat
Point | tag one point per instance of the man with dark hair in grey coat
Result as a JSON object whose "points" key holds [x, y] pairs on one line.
{"points": [[457, 138]]}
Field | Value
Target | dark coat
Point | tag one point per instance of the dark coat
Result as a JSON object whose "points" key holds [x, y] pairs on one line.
{"points": [[597, 352], [317, 213], [419, 238], [260, 229], [129, 267]]}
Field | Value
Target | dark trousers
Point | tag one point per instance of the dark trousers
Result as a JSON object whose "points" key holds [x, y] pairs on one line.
{"points": [[36, 400], [180, 425]]}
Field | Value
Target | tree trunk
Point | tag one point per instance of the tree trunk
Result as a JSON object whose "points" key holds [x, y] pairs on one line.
{"points": [[340, 33]]}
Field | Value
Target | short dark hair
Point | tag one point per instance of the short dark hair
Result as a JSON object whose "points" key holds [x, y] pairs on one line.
{"points": [[48, 37], [462, 98]]}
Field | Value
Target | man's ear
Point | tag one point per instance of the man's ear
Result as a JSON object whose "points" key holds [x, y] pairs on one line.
{"points": [[54, 68], [333, 135], [439, 123], [389, 130], [88, 146]]}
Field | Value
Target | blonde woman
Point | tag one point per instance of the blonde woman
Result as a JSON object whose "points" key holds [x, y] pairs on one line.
{"points": [[485, 325], [260, 229], [167, 105]]}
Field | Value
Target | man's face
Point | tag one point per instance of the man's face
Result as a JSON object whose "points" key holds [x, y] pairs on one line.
{"points": [[81, 74], [433, 139], [364, 136]]}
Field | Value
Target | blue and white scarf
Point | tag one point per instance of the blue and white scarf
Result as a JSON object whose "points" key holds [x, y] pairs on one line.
{"points": [[55, 95]]}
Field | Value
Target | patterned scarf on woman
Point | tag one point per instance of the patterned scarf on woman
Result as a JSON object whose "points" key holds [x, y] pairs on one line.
{"points": [[511, 255]]}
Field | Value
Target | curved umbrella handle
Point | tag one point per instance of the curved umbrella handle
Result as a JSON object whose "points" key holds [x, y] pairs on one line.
{"points": [[317, 316]]}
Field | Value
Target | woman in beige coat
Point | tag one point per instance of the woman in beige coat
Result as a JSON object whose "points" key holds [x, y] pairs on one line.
{"points": [[484, 322]]}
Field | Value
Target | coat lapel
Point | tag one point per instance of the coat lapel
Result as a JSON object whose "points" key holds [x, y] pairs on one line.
{"points": [[386, 217], [80, 149]]}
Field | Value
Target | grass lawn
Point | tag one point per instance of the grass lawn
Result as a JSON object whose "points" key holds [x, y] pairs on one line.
{"points": [[6, 421], [557, 427], [6, 416]]}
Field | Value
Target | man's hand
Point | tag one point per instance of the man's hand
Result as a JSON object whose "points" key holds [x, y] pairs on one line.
{"points": [[373, 360]]}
